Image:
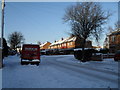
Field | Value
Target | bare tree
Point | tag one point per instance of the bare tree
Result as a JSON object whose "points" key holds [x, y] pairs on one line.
{"points": [[15, 39], [115, 28], [39, 43], [110, 30], [117, 25], [86, 20]]}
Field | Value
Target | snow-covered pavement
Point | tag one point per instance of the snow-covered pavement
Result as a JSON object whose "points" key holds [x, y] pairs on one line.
{"points": [[61, 71]]}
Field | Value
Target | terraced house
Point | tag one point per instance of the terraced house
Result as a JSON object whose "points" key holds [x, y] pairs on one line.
{"points": [[45, 45], [69, 43], [114, 41]]}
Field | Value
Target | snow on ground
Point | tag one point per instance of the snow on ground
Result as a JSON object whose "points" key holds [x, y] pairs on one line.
{"points": [[107, 64], [50, 74]]}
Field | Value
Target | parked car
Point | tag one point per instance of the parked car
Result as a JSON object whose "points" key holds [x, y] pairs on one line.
{"points": [[30, 54], [12, 52], [117, 56]]}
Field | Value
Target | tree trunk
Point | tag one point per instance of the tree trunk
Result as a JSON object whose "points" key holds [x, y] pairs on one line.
{"points": [[83, 50]]}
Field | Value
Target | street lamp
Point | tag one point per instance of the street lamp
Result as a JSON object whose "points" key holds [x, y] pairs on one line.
{"points": [[2, 33]]}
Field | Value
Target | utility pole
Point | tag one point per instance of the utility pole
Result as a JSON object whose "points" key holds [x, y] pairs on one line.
{"points": [[2, 33]]}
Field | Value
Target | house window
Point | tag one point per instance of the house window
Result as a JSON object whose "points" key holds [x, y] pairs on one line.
{"points": [[65, 44], [68, 43], [113, 38], [58, 45]]}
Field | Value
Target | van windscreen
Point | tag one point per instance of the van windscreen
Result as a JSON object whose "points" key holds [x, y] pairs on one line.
{"points": [[30, 49]]}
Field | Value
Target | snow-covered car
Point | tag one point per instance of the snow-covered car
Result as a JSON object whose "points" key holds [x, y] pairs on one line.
{"points": [[117, 56], [30, 54], [12, 52]]}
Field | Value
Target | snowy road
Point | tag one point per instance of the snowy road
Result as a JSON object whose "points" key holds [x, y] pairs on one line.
{"points": [[60, 72]]}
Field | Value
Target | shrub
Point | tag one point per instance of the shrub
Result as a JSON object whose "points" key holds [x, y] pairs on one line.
{"points": [[104, 51], [78, 54], [88, 54]]}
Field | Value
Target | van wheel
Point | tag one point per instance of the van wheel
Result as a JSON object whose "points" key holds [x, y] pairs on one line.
{"points": [[37, 64], [115, 60], [26, 63], [22, 63]]}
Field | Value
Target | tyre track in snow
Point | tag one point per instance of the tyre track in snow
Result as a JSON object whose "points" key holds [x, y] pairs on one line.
{"points": [[86, 67], [90, 68], [85, 71]]}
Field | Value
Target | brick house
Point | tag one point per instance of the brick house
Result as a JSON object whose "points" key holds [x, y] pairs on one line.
{"points": [[45, 45], [114, 41], [69, 43]]}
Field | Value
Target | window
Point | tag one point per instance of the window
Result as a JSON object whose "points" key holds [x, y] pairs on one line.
{"points": [[68, 43], [31, 49], [113, 38], [58, 45], [64, 44]]}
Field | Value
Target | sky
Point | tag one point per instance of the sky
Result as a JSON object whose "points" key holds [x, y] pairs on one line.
{"points": [[42, 21]]}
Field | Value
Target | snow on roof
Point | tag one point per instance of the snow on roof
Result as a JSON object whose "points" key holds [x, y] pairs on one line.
{"points": [[71, 39], [64, 40], [115, 33], [43, 44]]}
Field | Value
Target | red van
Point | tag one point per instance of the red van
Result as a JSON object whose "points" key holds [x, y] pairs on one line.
{"points": [[30, 54]]}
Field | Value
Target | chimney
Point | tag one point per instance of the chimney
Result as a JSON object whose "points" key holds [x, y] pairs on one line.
{"points": [[61, 38]]}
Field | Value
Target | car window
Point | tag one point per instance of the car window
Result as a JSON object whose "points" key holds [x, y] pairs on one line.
{"points": [[118, 52]]}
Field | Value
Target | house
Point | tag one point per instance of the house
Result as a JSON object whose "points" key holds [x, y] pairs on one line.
{"points": [[114, 41], [45, 45], [69, 43]]}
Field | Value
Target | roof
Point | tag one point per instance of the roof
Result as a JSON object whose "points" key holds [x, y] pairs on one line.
{"points": [[64, 40], [43, 44], [71, 39], [115, 33]]}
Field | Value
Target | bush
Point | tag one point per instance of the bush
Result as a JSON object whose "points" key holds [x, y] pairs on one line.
{"points": [[68, 51], [88, 54], [56, 52], [78, 54], [53, 52], [50, 52], [104, 51]]}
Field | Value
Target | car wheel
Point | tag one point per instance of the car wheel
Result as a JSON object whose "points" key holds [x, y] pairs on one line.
{"points": [[115, 60], [22, 63], [37, 64]]}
